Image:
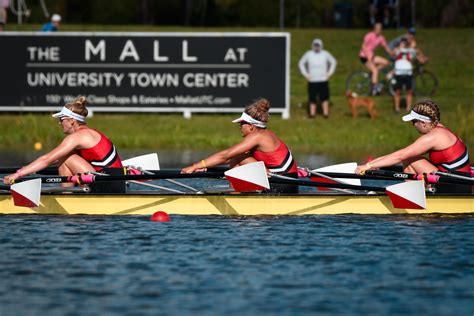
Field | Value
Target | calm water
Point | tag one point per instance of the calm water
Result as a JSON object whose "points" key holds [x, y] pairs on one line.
{"points": [[350, 265]]}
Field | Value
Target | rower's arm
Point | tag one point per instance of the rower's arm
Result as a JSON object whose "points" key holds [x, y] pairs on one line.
{"points": [[62, 150], [421, 146], [224, 156]]}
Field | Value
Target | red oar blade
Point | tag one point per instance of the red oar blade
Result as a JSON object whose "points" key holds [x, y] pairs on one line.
{"points": [[145, 162], [249, 177], [409, 195], [27, 194]]}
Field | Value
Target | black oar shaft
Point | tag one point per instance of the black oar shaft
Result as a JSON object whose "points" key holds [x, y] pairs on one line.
{"points": [[48, 170], [80, 179], [346, 175], [326, 184], [430, 178]]}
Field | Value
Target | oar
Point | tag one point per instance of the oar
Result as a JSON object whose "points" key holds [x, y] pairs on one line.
{"points": [[91, 178], [27, 191], [430, 178], [48, 170], [409, 195], [338, 169], [321, 176], [250, 177], [26, 194], [402, 195], [456, 176], [145, 184], [151, 162]]}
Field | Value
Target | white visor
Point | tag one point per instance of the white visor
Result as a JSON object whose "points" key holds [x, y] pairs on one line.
{"points": [[415, 116], [247, 118], [68, 113]]}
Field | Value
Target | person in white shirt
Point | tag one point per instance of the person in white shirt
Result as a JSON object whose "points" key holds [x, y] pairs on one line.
{"points": [[317, 66], [403, 69]]}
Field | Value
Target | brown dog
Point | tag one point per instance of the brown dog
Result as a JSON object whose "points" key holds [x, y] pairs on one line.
{"points": [[354, 102]]}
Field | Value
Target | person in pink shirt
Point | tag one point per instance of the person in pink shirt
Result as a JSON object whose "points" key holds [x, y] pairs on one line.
{"points": [[367, 54]]}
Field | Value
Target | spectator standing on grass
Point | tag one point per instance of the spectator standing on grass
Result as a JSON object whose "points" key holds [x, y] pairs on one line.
{"points": [[53, 25], [317, 66], [403, 69], [367, 55], [410, 35]]}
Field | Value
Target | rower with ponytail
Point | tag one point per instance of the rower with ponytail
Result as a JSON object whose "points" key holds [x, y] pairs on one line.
{"points": [[83, 149], [258, 144]]}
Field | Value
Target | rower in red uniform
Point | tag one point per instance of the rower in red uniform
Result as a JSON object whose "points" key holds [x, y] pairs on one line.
{"points": [[446, 150], [83, 149], [259, 144]]}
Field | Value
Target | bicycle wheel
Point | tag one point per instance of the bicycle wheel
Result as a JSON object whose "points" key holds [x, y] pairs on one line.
{"points": [[425, 83], [359, 82]]}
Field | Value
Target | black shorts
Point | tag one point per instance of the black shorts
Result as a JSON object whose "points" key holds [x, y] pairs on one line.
{"points": [[363, 60], [403, 81], [316, 89], [277, 188]]}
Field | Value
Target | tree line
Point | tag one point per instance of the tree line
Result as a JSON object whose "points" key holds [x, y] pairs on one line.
{"points": [[249, 13]]}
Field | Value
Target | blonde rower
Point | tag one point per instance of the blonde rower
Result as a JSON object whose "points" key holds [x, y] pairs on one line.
{"points": [[83, 149], [446, 150], [258, 144]]}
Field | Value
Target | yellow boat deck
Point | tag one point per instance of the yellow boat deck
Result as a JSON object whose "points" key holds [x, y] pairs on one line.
{"points": [[231, 204]]}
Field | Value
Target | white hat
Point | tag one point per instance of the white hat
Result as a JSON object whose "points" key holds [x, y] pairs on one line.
{"points": [[65, 112], [415, 116], [247, 118], [56, 18]]}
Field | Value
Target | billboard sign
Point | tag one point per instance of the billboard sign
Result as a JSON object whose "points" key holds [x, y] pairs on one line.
{"points": [[144, 72]]}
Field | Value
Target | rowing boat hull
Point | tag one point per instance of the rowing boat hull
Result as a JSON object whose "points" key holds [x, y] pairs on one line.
{"points": [[231, 204]]}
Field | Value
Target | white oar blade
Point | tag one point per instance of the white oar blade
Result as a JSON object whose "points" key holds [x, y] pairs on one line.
{"points": [[249, 177], [27, 194], [409, 195], [145, 162], [349, 167]]}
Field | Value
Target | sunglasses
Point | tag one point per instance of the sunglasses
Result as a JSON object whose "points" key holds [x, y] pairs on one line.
{"points": [[62, 119]]}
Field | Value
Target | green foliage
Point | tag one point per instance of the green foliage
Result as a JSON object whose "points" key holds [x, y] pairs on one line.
{"points": [[298, 13]]}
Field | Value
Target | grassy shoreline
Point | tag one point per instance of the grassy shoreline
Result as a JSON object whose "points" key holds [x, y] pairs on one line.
{"points": [[339, 137]]}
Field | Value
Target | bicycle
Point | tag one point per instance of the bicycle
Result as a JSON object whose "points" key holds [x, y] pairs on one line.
{"points": [[425, 82]]}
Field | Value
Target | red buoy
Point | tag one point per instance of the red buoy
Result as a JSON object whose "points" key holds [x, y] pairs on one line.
{"points": [[160, 216]]}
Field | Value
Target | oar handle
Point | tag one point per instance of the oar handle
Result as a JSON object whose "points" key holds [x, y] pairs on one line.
{"points": [[430, 178]]}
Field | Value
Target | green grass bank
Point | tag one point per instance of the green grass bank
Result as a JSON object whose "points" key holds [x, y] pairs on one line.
{"points": [[339, 137]]}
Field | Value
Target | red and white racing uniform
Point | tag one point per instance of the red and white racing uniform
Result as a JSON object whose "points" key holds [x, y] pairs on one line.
{"points": [[102, 155], [454, 158], [280, 161]]}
